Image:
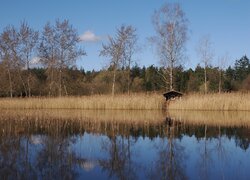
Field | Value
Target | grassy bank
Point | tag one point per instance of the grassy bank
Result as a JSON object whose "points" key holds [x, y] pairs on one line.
{"points": [[118, 102], [213, 102]]}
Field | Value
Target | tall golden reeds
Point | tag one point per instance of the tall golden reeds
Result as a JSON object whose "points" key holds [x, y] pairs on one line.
{"points": [[213, 102], [118, 102]]}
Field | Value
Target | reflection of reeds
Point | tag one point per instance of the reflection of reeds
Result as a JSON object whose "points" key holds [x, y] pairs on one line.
{"points": [[212, 118], [125, 102], [63, 122], [218, 102], [120, 116]]}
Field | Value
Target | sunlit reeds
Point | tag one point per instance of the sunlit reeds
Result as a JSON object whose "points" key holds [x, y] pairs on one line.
{"points": [[213, 102], [118, 102]]}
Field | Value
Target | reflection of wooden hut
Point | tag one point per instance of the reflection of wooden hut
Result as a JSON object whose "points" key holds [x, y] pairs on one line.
{"points": [[172, 95]]}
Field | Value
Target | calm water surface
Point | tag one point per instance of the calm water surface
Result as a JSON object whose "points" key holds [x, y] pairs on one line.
{"points": [[124, 145]]}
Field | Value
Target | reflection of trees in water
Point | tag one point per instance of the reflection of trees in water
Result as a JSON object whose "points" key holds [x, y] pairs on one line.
{"points": [[242, 140], [17, 149], [213, 154], [65, 126], [53, 158], [119, 164], [214, 157], [233, 124], [56, 160], [170, 163], [205, 160], [242, 143], [240, 135], [14, 162], [221, 154]]}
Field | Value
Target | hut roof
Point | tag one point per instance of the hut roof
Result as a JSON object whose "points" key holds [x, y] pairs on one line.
{"points": [[172, 94]]}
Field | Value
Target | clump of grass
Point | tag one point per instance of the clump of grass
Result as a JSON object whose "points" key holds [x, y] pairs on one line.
{"points": [[213, 102], [118, 102]]}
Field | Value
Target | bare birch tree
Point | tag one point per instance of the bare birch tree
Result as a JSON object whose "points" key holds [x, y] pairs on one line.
{"points": [[58, 50], [171, 29], [9, 53], [28, 43], [47, 53], [120, 50], [5, 56], [222, 63], [113, 50], [205, 53], [129, 36]]}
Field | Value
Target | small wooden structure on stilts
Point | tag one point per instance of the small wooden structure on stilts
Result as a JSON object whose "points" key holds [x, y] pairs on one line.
{"points": [[170, 96]]}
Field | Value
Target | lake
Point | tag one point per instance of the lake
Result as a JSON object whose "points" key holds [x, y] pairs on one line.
{"points": [[76, 144]]}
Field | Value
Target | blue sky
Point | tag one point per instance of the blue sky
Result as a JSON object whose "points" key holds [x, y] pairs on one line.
{"points": [[226, 21]]}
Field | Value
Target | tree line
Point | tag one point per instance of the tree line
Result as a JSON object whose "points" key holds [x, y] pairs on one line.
{"points": [[57, 47], [142, 79]]}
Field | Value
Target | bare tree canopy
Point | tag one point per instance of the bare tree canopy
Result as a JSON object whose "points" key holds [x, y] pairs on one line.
{"points": [[59, 49], [171, 29], [204, 50], [128, 33], [120, 50], [28, 42], [9, 46], [205, 53], [222, 63], [59, 45]]}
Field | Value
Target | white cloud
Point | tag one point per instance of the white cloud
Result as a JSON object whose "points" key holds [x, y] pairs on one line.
{"points": [[35, 60], [89, 36]]}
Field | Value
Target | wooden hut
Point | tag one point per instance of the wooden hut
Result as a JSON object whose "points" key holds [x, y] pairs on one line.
{"points": [[170, 95]]}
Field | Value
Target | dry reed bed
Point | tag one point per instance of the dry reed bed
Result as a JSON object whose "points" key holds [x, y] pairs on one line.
{"points": [[212, 118], [213, 102], [118, 102]]}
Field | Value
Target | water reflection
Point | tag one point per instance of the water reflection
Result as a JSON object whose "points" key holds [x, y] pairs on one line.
{"points": [[124, 145], [212, 118], [119, 162], [170, 162]]}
